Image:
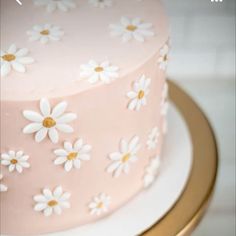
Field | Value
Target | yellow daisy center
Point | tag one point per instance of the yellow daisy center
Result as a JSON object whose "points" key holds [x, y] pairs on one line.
{"points": [[71, 156], [9, 57], [44, 32], [141, 94], [131, 28], [14, 161], [100, 205], [99, 69], [48, 122], [126, 158], [52, 203]]}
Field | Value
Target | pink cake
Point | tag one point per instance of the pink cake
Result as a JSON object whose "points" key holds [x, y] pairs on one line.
{"points": [[83, 104]]}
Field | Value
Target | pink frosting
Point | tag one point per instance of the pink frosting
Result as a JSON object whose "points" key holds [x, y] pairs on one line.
{"points": [[56, 71], [103, 117]]}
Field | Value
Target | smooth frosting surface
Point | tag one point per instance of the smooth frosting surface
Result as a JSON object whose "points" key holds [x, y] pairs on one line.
{"points": [[83, 106], [85, 35]]}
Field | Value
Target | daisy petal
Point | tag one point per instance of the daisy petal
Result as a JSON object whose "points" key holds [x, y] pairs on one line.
{"points": [[57, 192], [22, 52], [5, 69], [113, 167], [53, 135], [47, 193], [68, 165], [84, 157], [32, 128], [40, 135], [65, 196], [68, 146], [25, 60], [78, 144], [45, 107], [65, 128], [59, 109], [60, 160], [77, 163], [57, 209], [40, 198], [66, 118], [40, 206], [133, 143], [123, 146], [60, 152], [47, 211], [12, 49], [32, 116], [18, 66], [65, 205]]}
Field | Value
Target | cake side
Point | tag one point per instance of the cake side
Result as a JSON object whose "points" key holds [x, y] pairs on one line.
{"points": [[103, 120], [82, 112]]}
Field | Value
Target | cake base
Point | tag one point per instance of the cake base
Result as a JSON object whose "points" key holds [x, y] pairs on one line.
{"points": [[150, 205]]}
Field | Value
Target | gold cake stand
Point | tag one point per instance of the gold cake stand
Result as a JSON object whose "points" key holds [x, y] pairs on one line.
{"points": [[182, 219]]}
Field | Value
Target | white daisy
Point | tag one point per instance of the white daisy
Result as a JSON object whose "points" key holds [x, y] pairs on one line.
{"points": [[52, 5], [164, 58], [52, 202], [49, 122], [151, 171], [100, 204], [15, 59], [139, 93], [72, 155], [45, 33], [3, 187], [164, 100], [122, 159], [15, 161], [101, 3], [129, 29], [153, 138], [95, 71], [164, 107]]}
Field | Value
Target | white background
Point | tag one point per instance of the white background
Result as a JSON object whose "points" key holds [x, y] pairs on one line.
{"points": [[203, 39], [203, 62]]}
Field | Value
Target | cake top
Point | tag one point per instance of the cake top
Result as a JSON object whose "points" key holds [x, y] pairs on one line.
{"points": [[54, 48]]}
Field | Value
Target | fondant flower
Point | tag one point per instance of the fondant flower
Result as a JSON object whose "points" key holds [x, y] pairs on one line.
{"points": [[153, 138], [52, 5], [3, 187], [45, 33], [72, 155], [164, 108], [95, 71], [15, 59], [122, 159], [151, 171], [99, 204], [52, 202], [15, 161], [49, 122], [129, 29], [163, 59], [164, 100], [101, 3], [139, 93]]}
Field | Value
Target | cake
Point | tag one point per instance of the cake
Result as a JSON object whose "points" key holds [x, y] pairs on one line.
{"points": [[83, 107]]}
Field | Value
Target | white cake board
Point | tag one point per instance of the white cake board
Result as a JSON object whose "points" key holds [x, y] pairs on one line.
{"points": [[150, 205]]}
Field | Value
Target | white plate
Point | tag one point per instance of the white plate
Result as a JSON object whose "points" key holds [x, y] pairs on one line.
{"points": [[150, 205]]}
